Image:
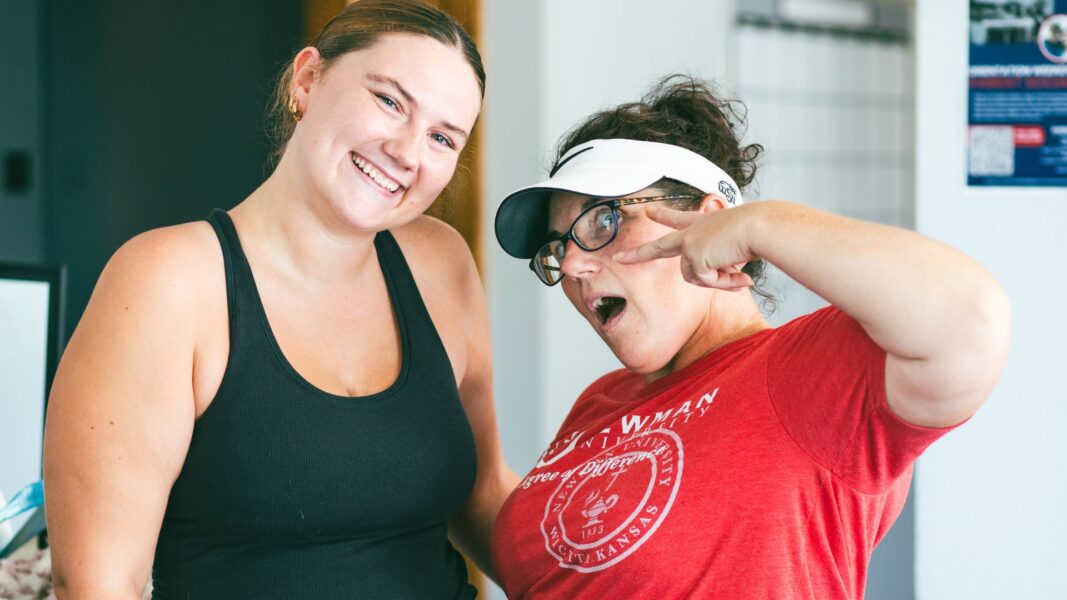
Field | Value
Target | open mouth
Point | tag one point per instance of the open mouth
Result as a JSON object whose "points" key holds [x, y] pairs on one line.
{"points": [[374, 174], [608, 308]]}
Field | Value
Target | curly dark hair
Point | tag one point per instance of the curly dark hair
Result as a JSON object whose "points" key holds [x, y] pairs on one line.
{"points": [[691, 113]]}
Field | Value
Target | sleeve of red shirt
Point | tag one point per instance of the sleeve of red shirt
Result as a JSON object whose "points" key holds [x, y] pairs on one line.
{"points": [[826, 381]]}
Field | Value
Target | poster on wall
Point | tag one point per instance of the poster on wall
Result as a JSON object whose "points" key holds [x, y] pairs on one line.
{"points": [[1017, 97]]}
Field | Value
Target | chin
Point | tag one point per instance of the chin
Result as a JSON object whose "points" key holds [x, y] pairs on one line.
{"points": [[358, 213], [642, 363], [363, 222]]}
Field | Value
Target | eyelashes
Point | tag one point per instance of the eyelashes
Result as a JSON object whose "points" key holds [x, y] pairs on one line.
{"points": [[393, 105]]}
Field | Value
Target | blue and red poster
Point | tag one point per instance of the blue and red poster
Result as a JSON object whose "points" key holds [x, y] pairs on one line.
{"points": [[1017, 98]]}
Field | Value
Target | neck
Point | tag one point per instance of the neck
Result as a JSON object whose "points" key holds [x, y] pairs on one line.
{"points": [[295, 231], [731, 316]]}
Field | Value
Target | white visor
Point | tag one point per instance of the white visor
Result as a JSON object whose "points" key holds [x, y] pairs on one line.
{"points": [[604, 169]]}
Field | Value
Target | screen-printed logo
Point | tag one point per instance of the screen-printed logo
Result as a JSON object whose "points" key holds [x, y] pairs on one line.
{"points": [[607, 507]]}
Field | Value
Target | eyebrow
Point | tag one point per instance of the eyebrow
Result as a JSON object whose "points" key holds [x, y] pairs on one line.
{"points": [[412, 101]]}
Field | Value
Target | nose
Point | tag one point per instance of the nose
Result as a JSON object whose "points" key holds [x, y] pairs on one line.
{"points": [[578, 263], [403, 146]]}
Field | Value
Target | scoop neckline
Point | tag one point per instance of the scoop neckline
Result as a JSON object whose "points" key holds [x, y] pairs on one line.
{"points": [[401, 326]]}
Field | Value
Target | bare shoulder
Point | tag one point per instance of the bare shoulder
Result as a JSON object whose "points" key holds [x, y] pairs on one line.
{"points": [[165, 279], [153, 309], [433, 236], [164, 251], [140, 328], [437, 253], [174, 262]]}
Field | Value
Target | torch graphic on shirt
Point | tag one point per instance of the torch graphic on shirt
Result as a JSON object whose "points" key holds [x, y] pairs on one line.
{"points": [[597, 503]]}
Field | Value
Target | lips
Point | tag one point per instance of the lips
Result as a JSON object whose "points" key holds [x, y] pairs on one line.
{"points": [[374, 174]]}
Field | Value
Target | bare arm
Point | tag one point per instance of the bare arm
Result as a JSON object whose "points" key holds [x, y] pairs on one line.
{"points": [[120, 418], [942, 319], [471, 528]]}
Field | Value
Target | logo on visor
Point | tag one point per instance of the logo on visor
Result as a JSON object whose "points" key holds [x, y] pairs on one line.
{"points": [[728, 191], [559, 166]]}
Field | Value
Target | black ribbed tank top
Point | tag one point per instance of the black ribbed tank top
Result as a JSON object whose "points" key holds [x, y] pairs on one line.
{"points": [[292, 492]]}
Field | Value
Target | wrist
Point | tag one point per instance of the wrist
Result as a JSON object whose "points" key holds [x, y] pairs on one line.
{"points": [[756, 219]]}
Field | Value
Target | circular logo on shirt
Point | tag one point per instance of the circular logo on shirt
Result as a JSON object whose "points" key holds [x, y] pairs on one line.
{"points": [[606, 507]]}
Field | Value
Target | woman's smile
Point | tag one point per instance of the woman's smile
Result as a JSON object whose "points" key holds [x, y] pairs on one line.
{"points": [[374, 174]]}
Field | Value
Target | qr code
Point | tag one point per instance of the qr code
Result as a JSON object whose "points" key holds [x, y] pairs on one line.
{"points": [[992, 151]]}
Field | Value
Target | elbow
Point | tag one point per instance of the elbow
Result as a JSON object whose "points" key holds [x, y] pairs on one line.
{"points": [[65, 591], [76, 586], [974, 331], [982, 342], [946, 386], [992, 327], [980, 358]]}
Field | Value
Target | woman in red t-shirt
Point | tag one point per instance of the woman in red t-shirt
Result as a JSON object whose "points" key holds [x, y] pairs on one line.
{"points": [[730, 459]]}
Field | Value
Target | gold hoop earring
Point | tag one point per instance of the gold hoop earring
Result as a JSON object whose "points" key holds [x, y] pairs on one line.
{"points": [[297, 115]]}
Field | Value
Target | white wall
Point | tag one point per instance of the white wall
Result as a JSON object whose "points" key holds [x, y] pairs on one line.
{"points": [[512, 122], [991, 519], [836, 124]]}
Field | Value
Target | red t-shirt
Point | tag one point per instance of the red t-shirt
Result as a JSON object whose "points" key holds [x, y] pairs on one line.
{"points": [[768, 469]]}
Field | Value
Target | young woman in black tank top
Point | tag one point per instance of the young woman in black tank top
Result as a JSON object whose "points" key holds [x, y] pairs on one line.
{"points": [[293, 399]]}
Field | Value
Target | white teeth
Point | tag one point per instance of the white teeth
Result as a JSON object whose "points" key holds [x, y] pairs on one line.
{"points": [[375, 175], [598, 303]]}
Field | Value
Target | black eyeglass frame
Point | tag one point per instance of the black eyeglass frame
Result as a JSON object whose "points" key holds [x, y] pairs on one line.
{"points": [[613, 204]]}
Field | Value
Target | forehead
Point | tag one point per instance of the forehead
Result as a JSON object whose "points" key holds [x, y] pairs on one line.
{"points": [[564, 208], [437, 75], [565, 203]]}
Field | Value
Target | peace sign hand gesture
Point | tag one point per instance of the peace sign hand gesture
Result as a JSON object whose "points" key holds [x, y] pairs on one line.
{"points": [[711, 246]]}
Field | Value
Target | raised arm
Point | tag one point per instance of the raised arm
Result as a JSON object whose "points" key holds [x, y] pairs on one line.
{"points": [[942, 319], [120, 418]]}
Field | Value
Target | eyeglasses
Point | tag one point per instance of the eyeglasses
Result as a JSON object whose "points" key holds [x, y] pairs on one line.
{"points": [[594, 228]]}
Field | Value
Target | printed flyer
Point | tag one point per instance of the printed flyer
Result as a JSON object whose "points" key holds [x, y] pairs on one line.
{"points": [[1017, 97]]}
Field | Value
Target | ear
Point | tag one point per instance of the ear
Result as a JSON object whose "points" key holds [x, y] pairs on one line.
{"points": [[307, 66], [711, 202]]}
